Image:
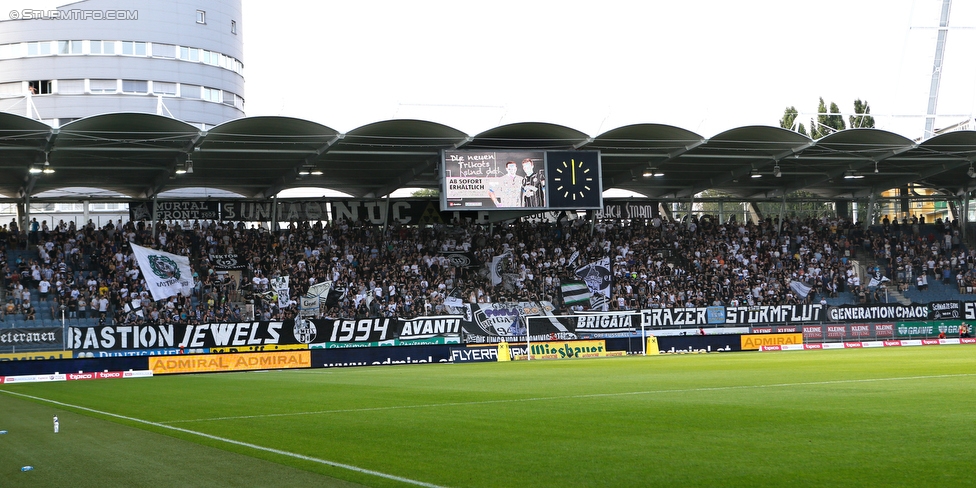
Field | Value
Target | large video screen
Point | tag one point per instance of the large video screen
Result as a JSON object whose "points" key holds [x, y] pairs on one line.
{"points": [[521, 180]]}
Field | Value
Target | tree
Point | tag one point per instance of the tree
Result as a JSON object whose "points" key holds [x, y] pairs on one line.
{"points": [[826, 123], [789, 119], [863, 118], [426, 193]]}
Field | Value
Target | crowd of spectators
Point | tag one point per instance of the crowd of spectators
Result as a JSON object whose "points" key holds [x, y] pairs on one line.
{"points": [[404, 270]]}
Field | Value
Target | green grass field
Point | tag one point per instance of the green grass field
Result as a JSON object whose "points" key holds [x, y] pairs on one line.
{"points": [[872, 417]]}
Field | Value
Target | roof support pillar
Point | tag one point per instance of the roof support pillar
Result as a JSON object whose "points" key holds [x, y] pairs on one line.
{"points": [[274, 213], [965, 214], [782, 210], [870, 210]]}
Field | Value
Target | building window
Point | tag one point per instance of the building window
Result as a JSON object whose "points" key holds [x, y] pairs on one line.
{"points": [[71, 87], [164, 88], [135, 86], [13, 88], [163, 50], [101, 47], [190, 91], [69, 47], [233, 27], [189, 54], [211, 94], [201, 17], [40, 87], [42, 48], [102, 86], [133, 48]]}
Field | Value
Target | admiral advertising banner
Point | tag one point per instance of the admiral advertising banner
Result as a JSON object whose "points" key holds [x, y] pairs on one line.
{"points": [[230, 362], [751, 342], [38, 336]]}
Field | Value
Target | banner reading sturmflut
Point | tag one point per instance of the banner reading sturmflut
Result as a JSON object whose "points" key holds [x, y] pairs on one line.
{"points": [[166, 274]]}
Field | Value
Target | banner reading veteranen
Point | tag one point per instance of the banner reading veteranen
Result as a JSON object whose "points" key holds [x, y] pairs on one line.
{"points": [[40, 336], [165, 274]]}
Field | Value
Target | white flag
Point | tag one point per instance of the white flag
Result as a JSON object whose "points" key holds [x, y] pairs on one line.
{"points": [[800, 288], [166, 274]]}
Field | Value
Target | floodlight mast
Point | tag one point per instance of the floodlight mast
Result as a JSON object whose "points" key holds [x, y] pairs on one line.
{"points": [[937, 70]]}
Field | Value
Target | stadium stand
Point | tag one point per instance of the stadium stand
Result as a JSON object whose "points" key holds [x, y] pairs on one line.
{"points": [[402, 271]]}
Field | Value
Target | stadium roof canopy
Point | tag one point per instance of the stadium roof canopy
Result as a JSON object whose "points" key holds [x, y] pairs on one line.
{"points": [[137, 155]]}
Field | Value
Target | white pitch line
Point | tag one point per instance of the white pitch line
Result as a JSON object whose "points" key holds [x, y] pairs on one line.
{"points": [[563, 397], [235, 442]]}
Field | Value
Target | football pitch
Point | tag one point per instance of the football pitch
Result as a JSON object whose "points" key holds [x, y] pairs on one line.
{"points": [[864, 417]]}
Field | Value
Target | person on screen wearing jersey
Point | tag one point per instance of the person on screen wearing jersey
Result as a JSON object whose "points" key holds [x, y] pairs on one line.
{"points": [[533, 193], [506, 190]]}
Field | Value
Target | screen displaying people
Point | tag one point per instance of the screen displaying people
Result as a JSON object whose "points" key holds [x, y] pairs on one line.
{"points": [[514, 189], [534, 189], [506, 190]]}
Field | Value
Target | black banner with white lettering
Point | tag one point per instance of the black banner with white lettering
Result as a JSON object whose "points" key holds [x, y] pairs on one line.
{"points": [[35, 336], [945, 310], [488, 323], [227, 262], [882, 312], [253, 334], [174, 210], [629, 209], [662, 318]]}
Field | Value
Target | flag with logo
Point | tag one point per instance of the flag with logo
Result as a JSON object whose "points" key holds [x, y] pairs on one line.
{"points": [[166, 274], [498, 265], [598, 279]]}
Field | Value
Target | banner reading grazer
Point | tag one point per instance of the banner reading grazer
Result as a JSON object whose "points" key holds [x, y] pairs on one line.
{"points": [[700, 316], [230, 362]]}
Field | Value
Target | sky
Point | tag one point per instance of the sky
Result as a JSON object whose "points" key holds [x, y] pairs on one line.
{"points": [[707, 66], [703, 65]]}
